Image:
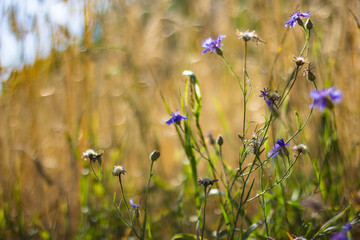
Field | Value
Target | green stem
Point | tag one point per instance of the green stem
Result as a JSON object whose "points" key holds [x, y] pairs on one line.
{"points": [[232, 72], [145, 201], [245, 90], [204, 215]]}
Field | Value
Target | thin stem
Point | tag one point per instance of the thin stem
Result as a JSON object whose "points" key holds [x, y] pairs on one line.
{"points": [[244, 84], [204, 215], [123, 195], [145, 202], [232, 72]]}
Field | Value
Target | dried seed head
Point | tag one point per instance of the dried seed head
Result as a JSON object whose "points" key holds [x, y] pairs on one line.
{"points": [[299, 149], [154, 155], [247, 36], [299, 61], [206, 181], [309, 73], [118, 170], [92, 155]]}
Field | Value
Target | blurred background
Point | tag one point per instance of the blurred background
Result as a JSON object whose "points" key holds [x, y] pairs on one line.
{"points": [[86, 74]]}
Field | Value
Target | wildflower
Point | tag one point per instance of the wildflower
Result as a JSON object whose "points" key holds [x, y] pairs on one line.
{"points": [[206, 182], [175, 118], [213, 45], [299, 149], [135, 207], [279, 148], [118, 170], [309, 73], [325, 98], [247, 36], [92, 155], [299, 61], [295, 17], [342, 235], [154, 155], [270, 98]]}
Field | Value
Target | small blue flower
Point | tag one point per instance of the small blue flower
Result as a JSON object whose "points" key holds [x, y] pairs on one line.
{"points": [[343, 234], [264, 93], [295, 17], [212, 45], [279, 148], [270, 98], [134, 207], [175, 118], [325, 98]]}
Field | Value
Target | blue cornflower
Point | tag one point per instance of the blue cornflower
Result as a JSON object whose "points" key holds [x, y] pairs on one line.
{"points": [[175, 118], [213, 45], [343, 234], [279, 148], [134, 207], [295, 17], [264, 93], [325, 98]]}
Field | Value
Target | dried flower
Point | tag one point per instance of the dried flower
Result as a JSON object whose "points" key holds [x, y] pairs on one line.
{"points": [[213, 45], [325, 98], [93, 156], [175, 118], [118, 170], [295, 18], [247, 36], [342, 235], [154, 155], [299, 149], [206, 181], [255, 144], [279, 148], [308, 72], [299, 61]]}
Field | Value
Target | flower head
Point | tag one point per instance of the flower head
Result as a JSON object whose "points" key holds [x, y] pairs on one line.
{"points": [[295, 18], [175, 118], [325, 98], [299, 61], [343, 234], [154, 155], [279, 148], [309, 72], [92, 155], [255, 143], [118, 170], [206, 181], [247, 36], [212, 45], [135, 207], [270, 98], [299, 149]]}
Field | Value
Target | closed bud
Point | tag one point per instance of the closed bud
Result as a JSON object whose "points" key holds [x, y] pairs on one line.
{"points": [[220, 140], [300, 22], [154, 155], [309, 25], [311, 76]]}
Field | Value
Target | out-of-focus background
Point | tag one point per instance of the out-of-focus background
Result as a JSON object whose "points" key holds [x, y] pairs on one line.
{"points": [[87, 74]]}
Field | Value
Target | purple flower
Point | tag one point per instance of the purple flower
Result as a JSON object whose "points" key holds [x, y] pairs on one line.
{"points": [[212, 45], [270, 98], [343, 234], [295, 17], [175, 118], [134, 206], [325, 98], [279, 148]]}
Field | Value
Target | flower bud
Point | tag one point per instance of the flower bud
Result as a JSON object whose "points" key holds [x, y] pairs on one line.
{"points": [[300, 22], [311, 76], [309, 25], [154, 155], [220, 140]]}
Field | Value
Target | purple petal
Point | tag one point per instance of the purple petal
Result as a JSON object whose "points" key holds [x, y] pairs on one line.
{"points": [[305, 14], [335, 95]]}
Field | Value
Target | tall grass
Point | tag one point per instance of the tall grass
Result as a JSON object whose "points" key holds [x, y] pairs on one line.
{"points": [[104, 94]]}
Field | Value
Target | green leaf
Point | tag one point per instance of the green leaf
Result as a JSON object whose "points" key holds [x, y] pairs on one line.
{"points": [[184, 236], [251, 229]]}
